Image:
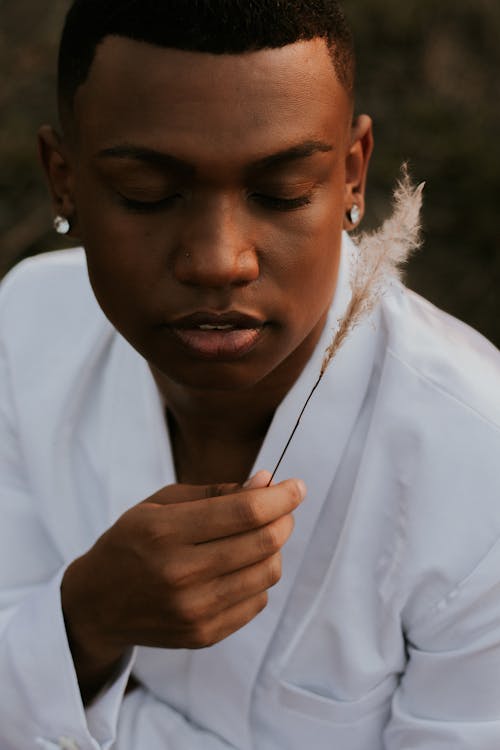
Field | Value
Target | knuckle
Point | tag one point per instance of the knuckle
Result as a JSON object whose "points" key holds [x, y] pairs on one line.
{"points": [[189, 611], [203, 636], [177, 574], [223, 593], [274, 570], [287, 524], [143, 526], [222, 561], [250, 511], [217, 490], [261, 602], [136, 531], [270, 539], [135, 520]]}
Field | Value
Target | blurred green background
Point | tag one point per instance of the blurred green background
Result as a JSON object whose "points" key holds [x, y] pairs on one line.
{"points": [[428, 73]]}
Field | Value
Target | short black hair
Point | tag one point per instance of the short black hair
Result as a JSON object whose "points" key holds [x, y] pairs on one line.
{"points": [[215, 26]]}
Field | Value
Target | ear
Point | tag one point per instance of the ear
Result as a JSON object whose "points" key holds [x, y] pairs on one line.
{"points": [[357, 162], [59, 173]]}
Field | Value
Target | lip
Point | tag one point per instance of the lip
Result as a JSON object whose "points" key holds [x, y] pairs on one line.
{"points": [[241, 336], [233, 318]]}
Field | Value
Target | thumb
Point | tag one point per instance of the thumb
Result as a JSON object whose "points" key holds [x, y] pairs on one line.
{"points": [[258, 481], [185, 493]]}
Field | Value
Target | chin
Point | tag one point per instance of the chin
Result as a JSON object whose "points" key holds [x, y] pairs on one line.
{"points": [[213, 377]]}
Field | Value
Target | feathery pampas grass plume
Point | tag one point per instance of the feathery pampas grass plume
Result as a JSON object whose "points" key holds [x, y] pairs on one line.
{"points": [[377, 264], [379, 259]]}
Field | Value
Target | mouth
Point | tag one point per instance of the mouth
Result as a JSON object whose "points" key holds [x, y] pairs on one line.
{"points": [[218, 336]]}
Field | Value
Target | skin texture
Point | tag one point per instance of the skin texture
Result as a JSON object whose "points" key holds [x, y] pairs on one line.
{"points": [[197, 139], [198, 562], [217, 246]]}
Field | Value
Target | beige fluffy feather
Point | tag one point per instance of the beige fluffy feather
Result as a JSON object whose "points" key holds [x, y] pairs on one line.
{"points": [[378, 263], [379, 260]]}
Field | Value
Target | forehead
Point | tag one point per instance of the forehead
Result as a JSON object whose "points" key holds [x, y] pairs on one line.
{"points": [[232, 106]]}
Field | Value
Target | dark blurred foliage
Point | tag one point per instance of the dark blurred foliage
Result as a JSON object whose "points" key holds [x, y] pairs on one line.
{"points": [[428, 73], [28, 38]]}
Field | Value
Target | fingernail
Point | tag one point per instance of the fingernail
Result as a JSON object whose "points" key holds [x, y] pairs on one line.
{"points": [[251, 481], [259, 480], [302, 488]]}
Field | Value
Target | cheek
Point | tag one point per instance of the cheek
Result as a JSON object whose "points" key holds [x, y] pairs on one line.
{"points": [[309, 260], [123, 262], [116, 242], [120, 280]]}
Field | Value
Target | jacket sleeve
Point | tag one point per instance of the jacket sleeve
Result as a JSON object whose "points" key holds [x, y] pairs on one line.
{"points": [[449, 695], [146, 722], [40, 704]]}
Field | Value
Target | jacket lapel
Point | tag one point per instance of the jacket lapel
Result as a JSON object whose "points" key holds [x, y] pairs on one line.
{"points": [[138, 448]]}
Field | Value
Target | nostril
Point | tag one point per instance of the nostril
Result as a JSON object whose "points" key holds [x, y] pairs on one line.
{"points": [[215, 265]]}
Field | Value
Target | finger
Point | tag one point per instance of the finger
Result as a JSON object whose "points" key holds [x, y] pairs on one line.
{"points": [[183, 493], [244, 584], [209, 632], [258, 481], [203, 602], [236, 513], [225, 556], [213, 599]]}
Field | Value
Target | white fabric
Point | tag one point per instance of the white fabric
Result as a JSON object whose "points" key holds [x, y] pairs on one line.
{"points": [[384, 633]]}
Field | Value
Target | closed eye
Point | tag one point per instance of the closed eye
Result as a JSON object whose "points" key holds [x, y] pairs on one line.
{"points": [[136, 206], [281, 204], [274, 203]]}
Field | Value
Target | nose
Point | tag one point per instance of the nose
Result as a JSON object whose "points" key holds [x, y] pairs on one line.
{"points": [[215, 247]]}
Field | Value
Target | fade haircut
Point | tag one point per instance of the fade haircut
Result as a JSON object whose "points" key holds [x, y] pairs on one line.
{"points": [[215, 26]]}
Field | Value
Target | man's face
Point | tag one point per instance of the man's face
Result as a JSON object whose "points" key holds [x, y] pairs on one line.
{"points": [[210, 194]]}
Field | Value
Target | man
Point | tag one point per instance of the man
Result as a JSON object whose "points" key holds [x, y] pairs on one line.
{"points": [[209, 163]]}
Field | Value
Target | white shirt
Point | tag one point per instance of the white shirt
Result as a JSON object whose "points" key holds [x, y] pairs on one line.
{"points": [[384, 632]]}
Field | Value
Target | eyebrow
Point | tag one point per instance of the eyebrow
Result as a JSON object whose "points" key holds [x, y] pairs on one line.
{"points": [[300, 151], [153, 158], [162, 160]]}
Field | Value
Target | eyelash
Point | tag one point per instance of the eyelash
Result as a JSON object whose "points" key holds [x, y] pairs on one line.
{"points": [[145, 207], [283, 204], [268, 201]]}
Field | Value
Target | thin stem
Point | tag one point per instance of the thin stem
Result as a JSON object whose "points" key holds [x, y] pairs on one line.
{"points": [[295, 429]]}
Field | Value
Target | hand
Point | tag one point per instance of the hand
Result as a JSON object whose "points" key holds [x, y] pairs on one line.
{"points": [[183, 569]]}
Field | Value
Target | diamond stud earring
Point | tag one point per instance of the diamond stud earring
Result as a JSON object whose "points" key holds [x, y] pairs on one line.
{"points": [[354, 215], [61, 225]]}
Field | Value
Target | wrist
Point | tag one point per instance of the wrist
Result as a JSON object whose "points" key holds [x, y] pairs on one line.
{"points": [[95, 657]]}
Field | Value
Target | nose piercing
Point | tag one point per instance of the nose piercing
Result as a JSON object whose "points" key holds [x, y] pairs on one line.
{"points": [[188, 255]]}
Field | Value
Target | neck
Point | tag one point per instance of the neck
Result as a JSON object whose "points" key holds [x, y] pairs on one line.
{"points": [[216, 436]]}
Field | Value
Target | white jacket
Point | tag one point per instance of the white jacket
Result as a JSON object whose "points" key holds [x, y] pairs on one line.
{"points": [[384, 631]]}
